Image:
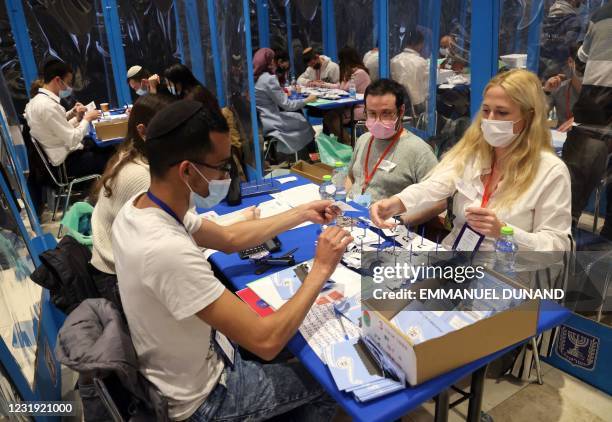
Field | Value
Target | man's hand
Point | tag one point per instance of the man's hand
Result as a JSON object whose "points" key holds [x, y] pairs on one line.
{"points": [[484, 221], [331, 245], [79, 110], [554, 83], [311, 98], [92, 115], [385, 209], [319, 212], [567, 125], [315, 84]]}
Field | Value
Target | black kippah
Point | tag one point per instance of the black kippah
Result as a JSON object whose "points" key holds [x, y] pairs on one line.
{"points": [[171, 117]]}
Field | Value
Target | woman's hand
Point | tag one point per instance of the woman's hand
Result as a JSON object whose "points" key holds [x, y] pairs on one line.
{"points": [[484, 221], [385, 209]]}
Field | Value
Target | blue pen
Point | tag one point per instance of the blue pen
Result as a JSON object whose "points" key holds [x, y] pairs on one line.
{"points": [[422, 234], [339, 316]]}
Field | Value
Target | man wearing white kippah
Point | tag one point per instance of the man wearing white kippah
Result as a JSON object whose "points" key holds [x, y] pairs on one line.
{"points": [[142, 81]]}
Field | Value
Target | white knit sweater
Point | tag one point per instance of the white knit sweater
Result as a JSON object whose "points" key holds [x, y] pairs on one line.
{"points": [[132, 179]]}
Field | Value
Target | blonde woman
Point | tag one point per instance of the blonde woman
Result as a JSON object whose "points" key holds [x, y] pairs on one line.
{"points": [[502, 172]]}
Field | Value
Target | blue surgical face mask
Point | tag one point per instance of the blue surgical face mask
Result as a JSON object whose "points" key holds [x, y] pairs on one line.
{"points": [[217, 191], [65, 93], [140, 92]]}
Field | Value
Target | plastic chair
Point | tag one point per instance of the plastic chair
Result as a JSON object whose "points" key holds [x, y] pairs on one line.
{"points": [[605, 181], [62, 182]]}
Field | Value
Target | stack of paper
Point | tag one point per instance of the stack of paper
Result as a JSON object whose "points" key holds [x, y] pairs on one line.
{"points": [[356, 371], [298, 195]]}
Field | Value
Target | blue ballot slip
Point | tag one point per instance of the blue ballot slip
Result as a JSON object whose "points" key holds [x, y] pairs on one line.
{"points": [[355, 371], [348, 368], [350, 307], [287, 282]]}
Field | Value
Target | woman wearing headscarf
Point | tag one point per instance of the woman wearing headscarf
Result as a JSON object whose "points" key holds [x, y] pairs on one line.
{"points": [[276, 110]]}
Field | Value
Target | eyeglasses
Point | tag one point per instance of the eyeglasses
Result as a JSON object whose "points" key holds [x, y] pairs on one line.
{"points": [[223, 168], [385, 116]]}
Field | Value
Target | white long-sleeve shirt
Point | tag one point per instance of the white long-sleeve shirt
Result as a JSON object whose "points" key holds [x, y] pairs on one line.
{"points": [[411, 70], [541, 216], [49, 126], [329, 72], [370, 60]]}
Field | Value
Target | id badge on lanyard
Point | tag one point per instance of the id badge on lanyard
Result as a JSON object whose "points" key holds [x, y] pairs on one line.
{"points": [[224, 347], [468, 239]]}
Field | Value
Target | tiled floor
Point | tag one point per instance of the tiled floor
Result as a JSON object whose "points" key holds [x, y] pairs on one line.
{"points": [[562, 398]]}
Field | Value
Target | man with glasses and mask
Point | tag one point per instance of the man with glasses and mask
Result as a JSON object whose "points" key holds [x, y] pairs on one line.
{"points": [[387, 157], [63, 139], [179, 314]]}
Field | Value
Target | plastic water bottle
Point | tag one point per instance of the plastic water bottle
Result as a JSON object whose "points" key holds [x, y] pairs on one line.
{"points": [[339, 177], [327, 190], [352, 89], [505, 251]]}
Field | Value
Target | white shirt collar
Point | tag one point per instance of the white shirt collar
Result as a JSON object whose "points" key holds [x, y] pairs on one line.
{"points": [[49, 94]]}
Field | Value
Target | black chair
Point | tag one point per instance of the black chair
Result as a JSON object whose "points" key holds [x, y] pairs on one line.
{"points": [[59, 177]]}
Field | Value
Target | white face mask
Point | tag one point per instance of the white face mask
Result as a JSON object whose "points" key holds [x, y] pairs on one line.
{"points": [[498, 133], [217, 191], [140, 92], [444, 52]]}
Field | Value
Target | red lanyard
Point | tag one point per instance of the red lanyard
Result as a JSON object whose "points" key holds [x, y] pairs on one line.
{"points": [[487, 192], [370, 176], [567, 102]]}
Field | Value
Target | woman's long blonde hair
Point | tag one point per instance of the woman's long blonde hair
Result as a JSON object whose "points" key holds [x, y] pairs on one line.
{"points": [[521, 166]]}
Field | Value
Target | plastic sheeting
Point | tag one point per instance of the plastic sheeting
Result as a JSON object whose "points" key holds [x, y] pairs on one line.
{"points": [[19, 296], [74, 32], [355, 25], [233, 52], [148, 32], [9, 62]]}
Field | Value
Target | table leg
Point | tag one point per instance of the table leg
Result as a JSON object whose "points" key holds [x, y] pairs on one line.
{"points": [[476, 392], [441, 414]]}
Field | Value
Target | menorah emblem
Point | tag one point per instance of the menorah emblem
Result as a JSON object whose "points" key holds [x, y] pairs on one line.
{"points": [[579, 342], [578, 348]]}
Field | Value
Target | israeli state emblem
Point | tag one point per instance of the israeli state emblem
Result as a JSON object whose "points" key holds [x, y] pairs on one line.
{"points": [[577, 348]]}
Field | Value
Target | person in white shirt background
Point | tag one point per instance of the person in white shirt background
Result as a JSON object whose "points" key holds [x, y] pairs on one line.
{"points": [[126, 174], [61, 139], [370, 60], [319, 69], [503, 172], [412, 70]]}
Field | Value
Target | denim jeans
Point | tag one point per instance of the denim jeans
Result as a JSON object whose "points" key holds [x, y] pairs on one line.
{"points": [[256, 392]]}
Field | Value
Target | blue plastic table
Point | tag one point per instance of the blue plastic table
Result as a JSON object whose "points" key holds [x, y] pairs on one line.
{"points": [[393, 406], [333, 104]]}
